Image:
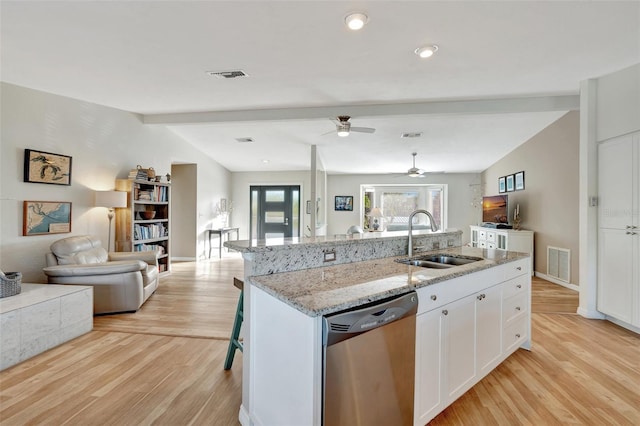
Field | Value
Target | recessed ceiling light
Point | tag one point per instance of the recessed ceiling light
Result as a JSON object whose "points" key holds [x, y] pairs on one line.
{"points": [[426, 51], [356, 21]]}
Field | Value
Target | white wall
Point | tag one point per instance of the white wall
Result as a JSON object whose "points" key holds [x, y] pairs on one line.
{"points": [[461, 212], [105, 144]]}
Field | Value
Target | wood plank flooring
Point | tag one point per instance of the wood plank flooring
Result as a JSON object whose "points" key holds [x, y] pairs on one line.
{"points": [[163, 366]]}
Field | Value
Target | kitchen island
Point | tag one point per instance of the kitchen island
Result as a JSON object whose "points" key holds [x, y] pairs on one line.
{"points": [[470, 318]]}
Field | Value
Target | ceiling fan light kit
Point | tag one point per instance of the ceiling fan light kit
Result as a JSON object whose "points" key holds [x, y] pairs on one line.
{"points": [[414, 171], [355, 21], [426, 51]]}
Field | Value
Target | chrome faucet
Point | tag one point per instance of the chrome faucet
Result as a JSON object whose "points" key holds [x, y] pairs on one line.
{"points": [[434, 227]]}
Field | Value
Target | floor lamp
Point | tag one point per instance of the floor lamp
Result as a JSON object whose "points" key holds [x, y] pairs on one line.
{"points": [[110, 200]]}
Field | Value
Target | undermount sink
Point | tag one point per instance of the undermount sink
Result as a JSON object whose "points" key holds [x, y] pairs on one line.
{"points": [[439, 261]]}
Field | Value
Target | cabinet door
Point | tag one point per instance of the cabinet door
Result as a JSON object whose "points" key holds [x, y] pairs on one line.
{"points": [[428, 389], [615, 273], [459, 346], [615, 183], [488, 329]]}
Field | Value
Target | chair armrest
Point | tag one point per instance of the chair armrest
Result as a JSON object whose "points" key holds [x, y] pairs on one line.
{"points": [[108, 268], [150, 257]]}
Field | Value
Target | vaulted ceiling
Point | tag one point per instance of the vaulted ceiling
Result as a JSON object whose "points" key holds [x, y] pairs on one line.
{"points": [[504, 71]]}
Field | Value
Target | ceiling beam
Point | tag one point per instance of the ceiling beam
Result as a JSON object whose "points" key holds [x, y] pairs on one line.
{"points": [[478, 106]]}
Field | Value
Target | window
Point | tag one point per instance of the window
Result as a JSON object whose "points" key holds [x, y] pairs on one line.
{"points": [[398, 202]]}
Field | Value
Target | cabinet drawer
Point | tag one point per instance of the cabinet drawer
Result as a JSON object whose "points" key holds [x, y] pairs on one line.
{"points": [[514, 307], [514, 335], [491, 236], [436, 295], [514, 269], [482, 244], [518, 285], [482, 234]]}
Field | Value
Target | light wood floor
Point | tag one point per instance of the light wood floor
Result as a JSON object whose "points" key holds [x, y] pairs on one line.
{"points": [[163, 366]]}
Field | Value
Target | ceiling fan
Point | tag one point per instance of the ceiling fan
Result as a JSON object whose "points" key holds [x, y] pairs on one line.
{"points": [[343, 127], [414, 171]]}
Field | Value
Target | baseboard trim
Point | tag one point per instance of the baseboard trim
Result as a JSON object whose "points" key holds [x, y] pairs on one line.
{"points": [[590, 314], [622, 324], [556, 281], [243, 416]]}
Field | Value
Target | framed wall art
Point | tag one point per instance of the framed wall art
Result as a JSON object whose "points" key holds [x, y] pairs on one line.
{"points": [[502, 184], [519, 181], [46, 167], [46, 217], [344, 203], [510, 183]]}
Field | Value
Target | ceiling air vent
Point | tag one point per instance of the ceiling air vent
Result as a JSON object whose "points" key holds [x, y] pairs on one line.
{"points": [[244, 140], [411, 135], [227, 74]]}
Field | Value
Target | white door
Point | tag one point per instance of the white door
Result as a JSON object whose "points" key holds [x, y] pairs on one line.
{"points": [[428, 396], [459, 346], [615, 274], [488, 328]]}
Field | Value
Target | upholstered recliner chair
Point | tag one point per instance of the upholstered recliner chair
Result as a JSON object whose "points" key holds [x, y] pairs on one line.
{"points": [[121, 282]]}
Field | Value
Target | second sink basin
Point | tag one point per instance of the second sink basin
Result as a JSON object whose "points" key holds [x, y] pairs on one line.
{"points": [[439, 261]]}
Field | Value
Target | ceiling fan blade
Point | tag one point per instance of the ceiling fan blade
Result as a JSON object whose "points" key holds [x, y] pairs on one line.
{"points": [[363, 129]]}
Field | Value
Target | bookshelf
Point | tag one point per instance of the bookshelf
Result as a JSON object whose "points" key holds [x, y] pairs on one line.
{"points": [[144, 224]]}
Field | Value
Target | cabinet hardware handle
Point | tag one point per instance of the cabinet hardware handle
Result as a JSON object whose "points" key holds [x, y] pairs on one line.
{"points": [[445, 312], [434, 297], [628, 227], [518, 336], [519, 268], [480, 297], [517, 308], [519, 286]]}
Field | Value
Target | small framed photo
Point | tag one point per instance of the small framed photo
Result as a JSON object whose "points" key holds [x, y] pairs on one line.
{"points": [[502, 184], [510, 183], [223, 205], [46, 167], [46, 217], [519, 181], [344, 203]]}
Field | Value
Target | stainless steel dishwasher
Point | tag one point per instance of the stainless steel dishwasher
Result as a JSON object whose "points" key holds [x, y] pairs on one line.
{"points": [[369, 364]]}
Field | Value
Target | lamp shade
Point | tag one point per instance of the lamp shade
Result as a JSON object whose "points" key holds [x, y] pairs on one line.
{"points": [[376, 212], [111, 199]]}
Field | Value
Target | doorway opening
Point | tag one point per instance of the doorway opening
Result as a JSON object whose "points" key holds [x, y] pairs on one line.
{"points": [[275, 212]]}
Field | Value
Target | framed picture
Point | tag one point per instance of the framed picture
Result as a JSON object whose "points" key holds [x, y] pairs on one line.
{"points": [[344, 203], [502, 184], [509, 183], [46, 217], [46, 167], [223, 205], [519, 181]]}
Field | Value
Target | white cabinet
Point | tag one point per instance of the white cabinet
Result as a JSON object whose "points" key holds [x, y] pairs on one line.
{"points": [[429, 399], [488, 329], [619, 228], [463, 335], [459, 346], [503, 239]]}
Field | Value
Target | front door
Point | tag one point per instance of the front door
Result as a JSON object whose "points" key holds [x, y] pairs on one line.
{"points": [[275, 211]]}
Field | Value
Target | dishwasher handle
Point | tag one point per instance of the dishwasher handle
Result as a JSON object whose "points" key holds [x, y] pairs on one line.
{"points": [[348, 324]]}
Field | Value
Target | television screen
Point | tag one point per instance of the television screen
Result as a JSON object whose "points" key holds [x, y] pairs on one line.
{"points": [[494, 209]]}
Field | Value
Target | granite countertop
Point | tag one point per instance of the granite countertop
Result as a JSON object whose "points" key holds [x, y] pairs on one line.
{"points": [[324, 290], [256, 246]]}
